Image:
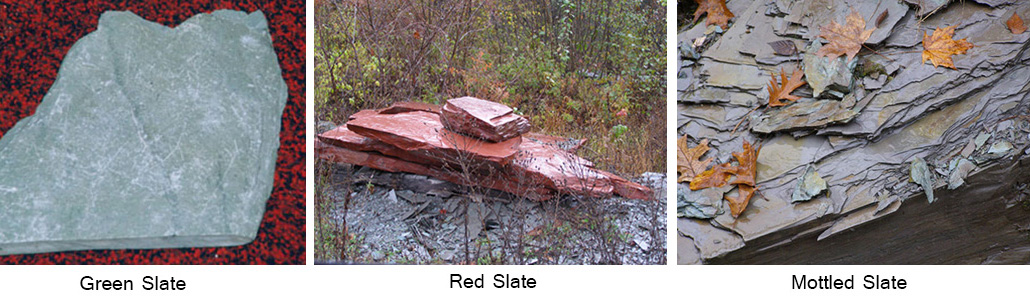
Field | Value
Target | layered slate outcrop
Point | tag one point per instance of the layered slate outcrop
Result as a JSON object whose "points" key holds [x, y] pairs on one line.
{"points": [[413, 138], [150, 137], [878, 114]]}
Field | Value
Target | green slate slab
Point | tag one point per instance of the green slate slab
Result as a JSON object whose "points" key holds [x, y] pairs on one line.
{"points": [[151, 137]]}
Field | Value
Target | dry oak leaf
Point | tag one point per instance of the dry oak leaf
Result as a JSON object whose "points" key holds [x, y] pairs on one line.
{"points": [[745, 172], [715, 177], [747, 166], [739, 203], [745, 178], [777, 94], [939, 47], [846, 39], [717, 12], [1016, 24], [688, 160]]}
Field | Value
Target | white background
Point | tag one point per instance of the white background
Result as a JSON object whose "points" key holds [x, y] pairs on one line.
{"points": [[364, 280]]}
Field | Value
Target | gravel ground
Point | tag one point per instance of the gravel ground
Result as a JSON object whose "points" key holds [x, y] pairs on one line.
{"points": [[426, 223]]}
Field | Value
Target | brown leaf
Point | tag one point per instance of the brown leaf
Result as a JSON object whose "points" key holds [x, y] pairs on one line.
{"points": [[745, 172], [745, 181], [717, 12], [846, 39], [688, 160], [879, 19], [782, 92], [784, 47], [748, 165], [939, 47], [715, 177], [1016, 24], [740, 202]]}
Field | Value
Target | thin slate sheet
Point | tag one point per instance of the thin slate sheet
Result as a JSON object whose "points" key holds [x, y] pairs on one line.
{"points": [[150, 137]]}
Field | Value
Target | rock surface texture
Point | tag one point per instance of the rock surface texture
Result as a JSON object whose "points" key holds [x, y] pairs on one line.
{"points": [[862, 134], [151, 137], [483, 119], [414, 219], [415, 140]]}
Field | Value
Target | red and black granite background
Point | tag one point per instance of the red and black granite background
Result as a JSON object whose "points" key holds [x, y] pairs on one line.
{"points": [[36, 35]]}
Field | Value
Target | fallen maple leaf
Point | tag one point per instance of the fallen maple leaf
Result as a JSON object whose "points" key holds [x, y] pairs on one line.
{"points": [[781, 92], [846, 39], [745, 172], [717, 12], [1016, 24], [688, 160], [939, 47]]}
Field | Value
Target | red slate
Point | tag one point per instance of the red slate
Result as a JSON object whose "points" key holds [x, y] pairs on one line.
{"points": [[422, 131], [375, 160], [628, 189], [483, 119], [370, 159], [567, 144], [535, 166], [406, 106], [557, 169], [345, 138], [362, 113]]}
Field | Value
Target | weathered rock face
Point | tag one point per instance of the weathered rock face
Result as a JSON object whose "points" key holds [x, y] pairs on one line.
{"points": [[150, 137], [483, 119], [414, 140], [423, 132], [862, 145]]}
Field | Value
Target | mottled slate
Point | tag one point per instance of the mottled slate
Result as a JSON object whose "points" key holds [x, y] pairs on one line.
{"points": [[863, 144]]}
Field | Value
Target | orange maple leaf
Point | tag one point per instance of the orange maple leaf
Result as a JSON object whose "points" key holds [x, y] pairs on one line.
{"points": [[688, 160], [745, 172], [777, 94], [717, 12], [1016, 24], [846, 39], [939, 47]]}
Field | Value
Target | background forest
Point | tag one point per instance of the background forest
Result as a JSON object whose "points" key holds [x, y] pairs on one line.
{"points": [[586, 69]]}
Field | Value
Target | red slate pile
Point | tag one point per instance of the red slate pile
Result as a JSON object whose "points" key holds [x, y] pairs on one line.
{"points": [[483, 119], [471, 141]]}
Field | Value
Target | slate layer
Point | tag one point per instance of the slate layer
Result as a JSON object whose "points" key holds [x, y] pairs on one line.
{"points": [[46, 31], [862, 143], [414, 140]]}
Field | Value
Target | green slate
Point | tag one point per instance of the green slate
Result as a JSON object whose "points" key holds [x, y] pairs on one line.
{"points": [[809, 185], [151, 137], [921, 174]]}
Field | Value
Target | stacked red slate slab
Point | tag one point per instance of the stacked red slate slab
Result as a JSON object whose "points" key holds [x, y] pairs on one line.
{"points": [[471, 141], [483, 119]]}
